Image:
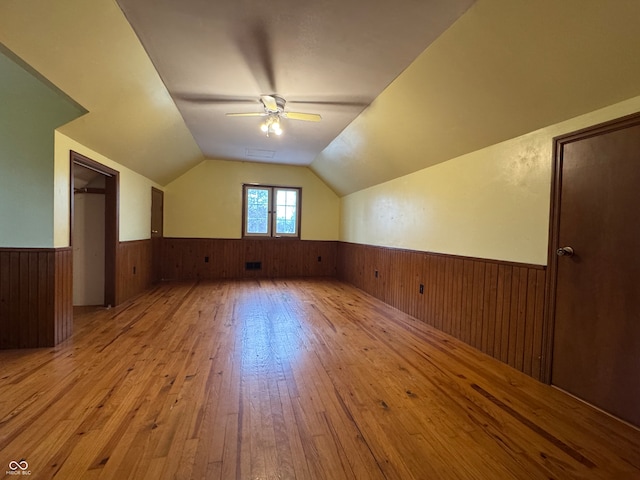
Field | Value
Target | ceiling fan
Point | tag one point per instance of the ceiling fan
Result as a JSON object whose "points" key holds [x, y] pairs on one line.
{"points": [[274, 111], [254, 41]]}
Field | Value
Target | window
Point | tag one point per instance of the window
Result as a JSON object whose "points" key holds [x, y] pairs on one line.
{"points": [[271, 211]]}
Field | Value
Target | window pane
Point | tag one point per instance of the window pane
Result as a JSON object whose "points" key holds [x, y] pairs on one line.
{"points": [[286, 212], [257, 211]]}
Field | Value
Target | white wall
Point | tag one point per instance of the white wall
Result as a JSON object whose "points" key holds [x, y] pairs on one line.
{"points": [[492, 203], [88, 249]]}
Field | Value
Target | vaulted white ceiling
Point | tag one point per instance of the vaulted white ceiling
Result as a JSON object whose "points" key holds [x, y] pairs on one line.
{"points": [[157, 91], [330, 57]]}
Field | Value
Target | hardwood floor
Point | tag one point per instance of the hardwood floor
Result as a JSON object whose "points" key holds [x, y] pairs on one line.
{"points": [[306, 379]]}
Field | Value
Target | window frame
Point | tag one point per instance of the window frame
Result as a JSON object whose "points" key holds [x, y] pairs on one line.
{"points": [[272, 218]]}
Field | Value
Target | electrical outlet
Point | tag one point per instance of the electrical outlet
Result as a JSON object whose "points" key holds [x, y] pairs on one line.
{"points": [[134, 270], [421, 289], [206, 259], [319, 259], [376, 274]]}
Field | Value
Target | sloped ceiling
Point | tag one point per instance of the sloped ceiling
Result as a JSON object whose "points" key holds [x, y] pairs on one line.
{"points": [[327, 57], [89, 51], [502, 69]]}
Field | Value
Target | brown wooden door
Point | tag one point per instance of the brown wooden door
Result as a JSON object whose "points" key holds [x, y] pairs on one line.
{"points": [[596, 346], [157, 231]]}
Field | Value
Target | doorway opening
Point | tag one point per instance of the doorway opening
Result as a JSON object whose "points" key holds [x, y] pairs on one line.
{"points": [[94, 231]]}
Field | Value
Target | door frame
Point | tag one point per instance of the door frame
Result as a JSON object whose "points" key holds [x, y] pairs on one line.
{"points": [[554, 226], [157, 238], [112, 219], [161, 231]]}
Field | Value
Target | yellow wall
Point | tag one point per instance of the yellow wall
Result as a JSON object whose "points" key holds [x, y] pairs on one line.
{"points": [[492, 203], [206, 202], [135, 194]]}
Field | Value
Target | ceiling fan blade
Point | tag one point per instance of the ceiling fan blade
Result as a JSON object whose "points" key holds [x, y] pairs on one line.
{"points": [[205, 99], [252, 114], [254, 41], [330, 103], [307, 117], [269, 103]]}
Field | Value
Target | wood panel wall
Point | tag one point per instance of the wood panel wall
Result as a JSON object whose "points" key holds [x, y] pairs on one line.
{"points": [[206, 259], [496, 307], [62, 296], [134, 269], [36, 297]]}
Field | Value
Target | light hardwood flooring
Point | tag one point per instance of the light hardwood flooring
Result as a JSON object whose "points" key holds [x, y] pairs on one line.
{"points": [[275, 379]]}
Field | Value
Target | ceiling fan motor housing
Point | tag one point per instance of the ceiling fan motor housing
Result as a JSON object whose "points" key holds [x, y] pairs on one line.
{"points": [[273, 103]]}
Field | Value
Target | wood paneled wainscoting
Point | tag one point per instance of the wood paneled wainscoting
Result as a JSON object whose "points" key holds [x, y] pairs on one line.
{"points": [[209, 259], [134, 269], [496, 307], [36, 297]]}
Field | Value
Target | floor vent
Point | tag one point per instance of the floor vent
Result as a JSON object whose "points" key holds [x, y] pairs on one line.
{"points": [[253, 266]]}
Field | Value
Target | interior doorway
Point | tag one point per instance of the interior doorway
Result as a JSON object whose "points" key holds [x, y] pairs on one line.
{"points": [[594, 268], [95, 239], [88, 237]]}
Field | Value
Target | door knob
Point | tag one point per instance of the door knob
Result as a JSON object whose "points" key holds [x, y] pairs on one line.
{"points": [[564, 252], [154, 231]]}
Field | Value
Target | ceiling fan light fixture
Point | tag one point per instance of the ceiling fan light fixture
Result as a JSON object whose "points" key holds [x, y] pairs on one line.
{"points": [[271, 125], [276, 128], [274, 111]]}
